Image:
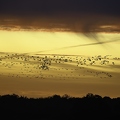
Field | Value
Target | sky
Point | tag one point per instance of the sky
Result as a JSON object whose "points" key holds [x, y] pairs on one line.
{"points": [[86, 29]]}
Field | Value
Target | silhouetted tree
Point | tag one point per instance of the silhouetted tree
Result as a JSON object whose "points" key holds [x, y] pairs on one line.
{"points": [[57, 107]]}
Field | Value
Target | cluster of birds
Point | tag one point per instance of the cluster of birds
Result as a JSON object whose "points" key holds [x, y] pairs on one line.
{"points": [[54, 66]]}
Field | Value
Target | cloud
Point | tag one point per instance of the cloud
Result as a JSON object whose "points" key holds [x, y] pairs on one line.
{"points": [[85, 16], [53, 7]]}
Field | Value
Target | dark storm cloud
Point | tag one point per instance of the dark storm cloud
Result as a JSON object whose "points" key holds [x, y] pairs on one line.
{"points": [[52, 7], [85, 16]]}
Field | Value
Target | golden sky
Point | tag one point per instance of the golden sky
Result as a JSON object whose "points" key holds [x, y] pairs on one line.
{"points": [[54, 42], [25, 77]]}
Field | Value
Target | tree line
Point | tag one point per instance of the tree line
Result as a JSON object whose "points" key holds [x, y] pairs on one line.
{"points": [[58, 107]]}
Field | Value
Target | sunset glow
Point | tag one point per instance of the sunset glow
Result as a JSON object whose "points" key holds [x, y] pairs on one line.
{"points": [[53, 42]]}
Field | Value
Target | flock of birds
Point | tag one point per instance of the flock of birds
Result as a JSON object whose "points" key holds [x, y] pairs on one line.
{"points": [[51, 66]]}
